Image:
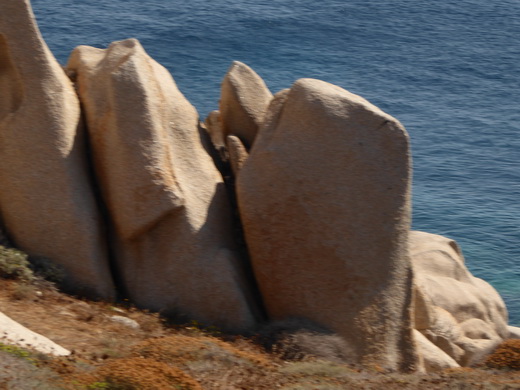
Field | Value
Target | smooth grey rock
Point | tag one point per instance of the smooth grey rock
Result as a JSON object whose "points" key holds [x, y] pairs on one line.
{"points": [[125, 321]]}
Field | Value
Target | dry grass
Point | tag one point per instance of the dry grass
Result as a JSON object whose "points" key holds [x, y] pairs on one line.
{"points": [[110, 355], [506, 356], [139, 373]]}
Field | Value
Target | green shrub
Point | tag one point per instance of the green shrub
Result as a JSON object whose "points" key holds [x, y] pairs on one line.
{"points": [[98, 386], [18, 352], [14, 264]]}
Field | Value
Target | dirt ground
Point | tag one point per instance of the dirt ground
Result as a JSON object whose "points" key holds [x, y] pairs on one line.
{"points": [[151, 354]]}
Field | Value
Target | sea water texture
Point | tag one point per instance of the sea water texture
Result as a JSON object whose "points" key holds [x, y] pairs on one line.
{"points": [[448, 70]]}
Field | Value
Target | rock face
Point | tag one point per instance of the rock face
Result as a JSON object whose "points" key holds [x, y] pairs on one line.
{"points": [[214, 129], [237, 153], [466, 317], [46, 200], [325, 202], [243, 101], [172, 233], [514, 332], [431, 357], [323, 187]]}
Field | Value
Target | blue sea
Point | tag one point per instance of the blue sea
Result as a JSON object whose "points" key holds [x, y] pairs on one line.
{"points": [[448, 70]]}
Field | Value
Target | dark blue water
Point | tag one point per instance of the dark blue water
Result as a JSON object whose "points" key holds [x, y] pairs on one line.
{"points": [[449, 71]]}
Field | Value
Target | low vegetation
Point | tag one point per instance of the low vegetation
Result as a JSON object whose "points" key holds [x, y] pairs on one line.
{"points": [[506, 356], [109, 354], [14, 264]]}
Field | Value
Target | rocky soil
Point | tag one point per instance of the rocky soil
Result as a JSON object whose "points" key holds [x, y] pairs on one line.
{"points": [[110, 353]]}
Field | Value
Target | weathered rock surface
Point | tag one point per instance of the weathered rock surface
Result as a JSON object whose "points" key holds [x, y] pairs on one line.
{"points": [[167, 203], [11, 332], [243, 102], [46, 198], [467, 318], [324, 199], [325, 202], [514, 332], [214, 128], [432, 358], [237, 153], [125, 321]]}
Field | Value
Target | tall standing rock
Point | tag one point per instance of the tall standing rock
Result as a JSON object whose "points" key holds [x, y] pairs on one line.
{"points": [[46, 199], [4, 241], [172, 233], [324, 198], [243, 102]]}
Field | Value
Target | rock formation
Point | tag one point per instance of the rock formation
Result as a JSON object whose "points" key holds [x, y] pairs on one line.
{"points": [[461, 315], [325, 202], [46, 196], [172, 234], [324, 198], [431, 357], [243, 101], [237, 153], [214, 129], [514, 332]]}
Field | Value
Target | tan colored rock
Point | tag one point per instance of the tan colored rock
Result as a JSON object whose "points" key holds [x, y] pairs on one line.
{"points": [[468, 317], [432, 358], [480, 339], [442, 276], [423, 316], [325, 202], [445, 332], [514, 332], [168, 206], [476, 350], [46, 197], [444, 324], [214, 128], [237, 153], [125, 321], [475, 328], [243, 102]]}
